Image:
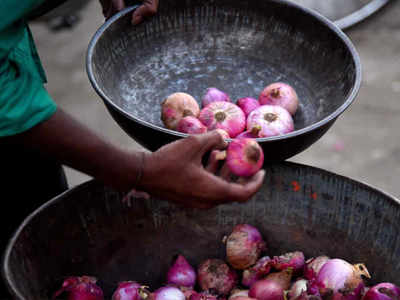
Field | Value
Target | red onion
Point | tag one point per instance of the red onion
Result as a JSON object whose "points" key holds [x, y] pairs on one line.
{"points": [[346, 294], [243, 298], [223, 115], [129, 290], [272, 287], [243, 245], [191, 125], [188, 292], [215, 276], [80, 288], [297, 288], [293, 260], [313, 265], [248, 104], [203, 296], [269, 120], [337, 274], [256, 272], [176, 107], [168, 293], [181, 273], [305, 296], [281, 94], [383, 291], [238, 293], [244, 157], [213, 95]]}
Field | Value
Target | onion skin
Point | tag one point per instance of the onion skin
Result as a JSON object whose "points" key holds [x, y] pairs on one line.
{"points": [[293, 260], [297, 288], [177, 106], [181, 273], [216, 277], [383, 291], [191, 125], [339, 275], [80, 288], [223, 115], [313, 265], [305, 296], [244, 157], [244, 246], [281, 94], [188, 292], [213, 95], [248, 104], [272, 287], [168, 293], [203, 296], [256, 272], [238, 293], [129, 290], [269, 120]]}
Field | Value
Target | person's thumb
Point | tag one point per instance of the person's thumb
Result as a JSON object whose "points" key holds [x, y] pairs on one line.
{"points": [[147, 9]]}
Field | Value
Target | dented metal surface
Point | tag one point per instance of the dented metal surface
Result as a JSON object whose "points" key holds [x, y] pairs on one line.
{"points": [[89, 230]]}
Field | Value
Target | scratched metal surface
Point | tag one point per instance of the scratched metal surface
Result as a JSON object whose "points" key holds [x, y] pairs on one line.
{"points": [[237, 46], [88, 230]]}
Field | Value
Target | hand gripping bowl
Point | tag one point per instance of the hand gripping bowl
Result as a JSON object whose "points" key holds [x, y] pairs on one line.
{"points": [[238, 46], [89, 231]]}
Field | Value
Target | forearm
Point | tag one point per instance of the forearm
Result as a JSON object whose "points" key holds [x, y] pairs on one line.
{"points": [[73, 144]]}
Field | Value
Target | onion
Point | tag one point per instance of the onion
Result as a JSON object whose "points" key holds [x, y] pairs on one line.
{"points": [[272, 287], [181, 273], [244, 157], [281, 94], [80, 288], [238, 293], [293, 260], [177, 106], [383, 291], [305, 296], [129, 290], [203, 296], [223, 115], [297, 288], [213, 95], [188, 292], [337, 274], [313, 265], [269, 120], [216, 277], [248, 104], [256, 272], [243, 245], [243, 298], [168, 293], [191, 125]]}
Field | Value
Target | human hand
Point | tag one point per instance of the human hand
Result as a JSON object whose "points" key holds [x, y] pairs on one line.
{"points": [[147, 9], [175, 172]]}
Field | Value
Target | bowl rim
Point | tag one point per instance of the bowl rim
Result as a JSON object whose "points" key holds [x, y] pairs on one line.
{"points": [[322, 19], [5, 268]]}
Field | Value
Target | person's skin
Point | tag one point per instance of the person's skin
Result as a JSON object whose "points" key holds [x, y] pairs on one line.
{"points": [[175, 172]]}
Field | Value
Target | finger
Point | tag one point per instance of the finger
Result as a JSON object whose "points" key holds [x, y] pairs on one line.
{"points": [[147, 9], [215, 158], [225, 173], [118, 5], [245, 190], [209, 141]]}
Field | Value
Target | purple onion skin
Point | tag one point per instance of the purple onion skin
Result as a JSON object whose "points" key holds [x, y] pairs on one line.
{"points": [[213, 95], [181, 273], [383, 291], [127, 290], [293, 260], [168, 293], [244, 246], [203, 296], [305, 296], [216, 277], [272, 287], [297, 288], [256, 272], [313, 265], [80, 288]]}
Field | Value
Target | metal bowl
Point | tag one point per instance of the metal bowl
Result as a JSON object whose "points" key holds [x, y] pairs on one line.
{"points": [[238, 46], [89, 231]]}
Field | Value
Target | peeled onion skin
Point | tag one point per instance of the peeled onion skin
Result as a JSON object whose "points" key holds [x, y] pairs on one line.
{"points": [[177, 106], [80, 288], [273, 287], [238, 293], [216, 277], [339, 275], [256, 272], [244, 157], [297, 288], [293, 260], [383, 291], [244, 246], [313, 265], [130, 290], [281, 94]]}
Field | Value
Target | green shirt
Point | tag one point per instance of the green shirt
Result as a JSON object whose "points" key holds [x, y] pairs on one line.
{"points": [[24, 102]]}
